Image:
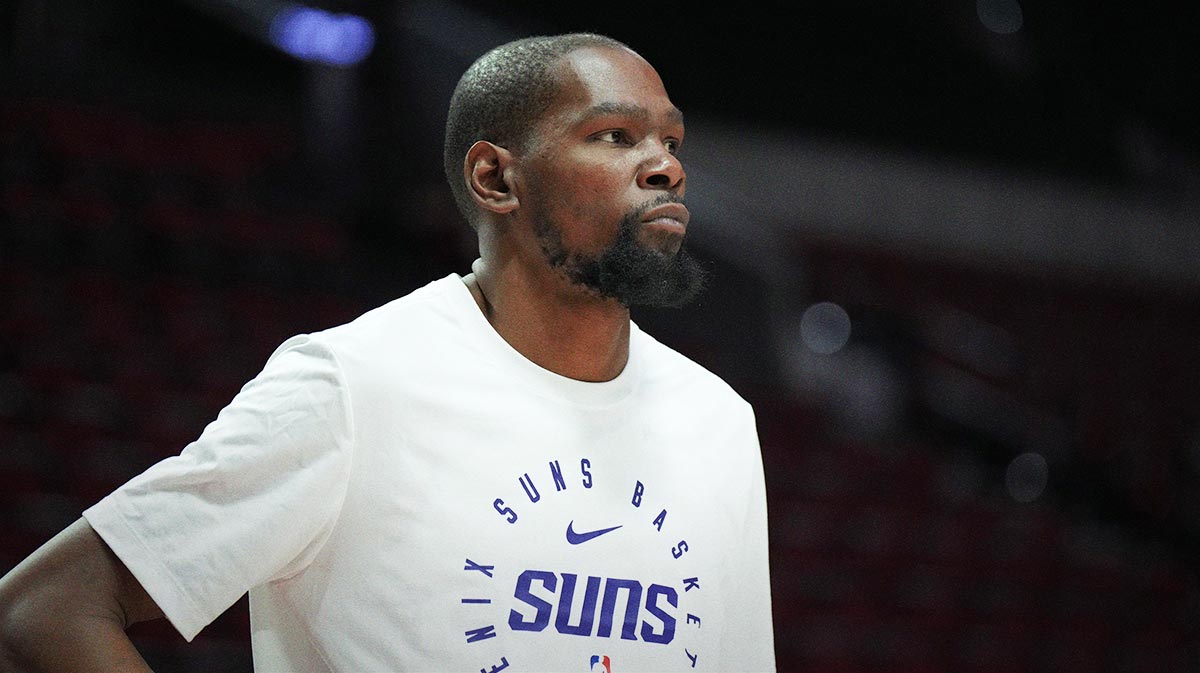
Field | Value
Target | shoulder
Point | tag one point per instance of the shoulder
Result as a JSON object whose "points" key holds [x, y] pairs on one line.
{"points": [[674, 374], [403, 327], [405, 335], [422, 306], [693, 409]]}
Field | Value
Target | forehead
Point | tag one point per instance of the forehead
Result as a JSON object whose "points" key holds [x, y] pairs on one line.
{"points": [[601, 77]]}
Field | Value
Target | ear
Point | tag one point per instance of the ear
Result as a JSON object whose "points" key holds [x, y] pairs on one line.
{"points": [[488, 171]]}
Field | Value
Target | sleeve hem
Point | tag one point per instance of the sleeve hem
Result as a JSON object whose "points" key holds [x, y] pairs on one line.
{"points": [[171, 597]]}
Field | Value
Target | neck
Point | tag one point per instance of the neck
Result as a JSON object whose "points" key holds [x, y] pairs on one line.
{"points": [[553, 323]]}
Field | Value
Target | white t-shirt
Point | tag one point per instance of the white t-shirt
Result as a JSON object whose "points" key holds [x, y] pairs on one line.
{"points": [[407, 492]]}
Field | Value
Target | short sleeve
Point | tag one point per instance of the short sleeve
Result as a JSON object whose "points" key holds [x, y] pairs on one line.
{"points": [[250, 501]]}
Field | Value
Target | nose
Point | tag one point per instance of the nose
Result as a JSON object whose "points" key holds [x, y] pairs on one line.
{"points": [[663, 171]]}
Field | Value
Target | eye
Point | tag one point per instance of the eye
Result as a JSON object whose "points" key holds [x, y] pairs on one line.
{"points": [[615, 136], [672, 145]]}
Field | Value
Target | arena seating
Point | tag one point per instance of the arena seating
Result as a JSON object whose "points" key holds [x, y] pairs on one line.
{"points": [[148, 268]]}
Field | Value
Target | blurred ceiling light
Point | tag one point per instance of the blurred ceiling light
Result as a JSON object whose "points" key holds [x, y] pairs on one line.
{"points": [[1000, 16], [1026, 477], [825, 327], [315, 35]]}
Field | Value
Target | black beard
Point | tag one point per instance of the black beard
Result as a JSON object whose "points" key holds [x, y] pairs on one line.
{"points": [[627, 271]]}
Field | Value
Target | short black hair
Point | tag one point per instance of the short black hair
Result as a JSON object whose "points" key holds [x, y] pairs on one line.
{"points": [[501, 96]]}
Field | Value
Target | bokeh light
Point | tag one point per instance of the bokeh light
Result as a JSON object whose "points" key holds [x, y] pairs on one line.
{"points": [[318, 36], [1000, 16], [825, 327], [1026, 477]]}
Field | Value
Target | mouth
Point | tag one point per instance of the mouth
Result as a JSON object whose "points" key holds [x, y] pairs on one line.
{"points": [[669, 216]]}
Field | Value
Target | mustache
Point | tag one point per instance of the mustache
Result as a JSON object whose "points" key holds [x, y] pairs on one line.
{"points": [[666, 197]]}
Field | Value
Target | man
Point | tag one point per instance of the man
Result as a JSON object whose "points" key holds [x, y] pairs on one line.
{"points": [[495, 472]]}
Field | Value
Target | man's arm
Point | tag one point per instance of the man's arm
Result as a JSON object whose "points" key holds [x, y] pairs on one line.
{"points": [[66, 608]]}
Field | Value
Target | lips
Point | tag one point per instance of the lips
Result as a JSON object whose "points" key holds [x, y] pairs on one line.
{"points": [[668, 215]]}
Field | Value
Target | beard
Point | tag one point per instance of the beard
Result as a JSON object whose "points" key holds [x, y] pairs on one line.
{"points": [[627, 270]]}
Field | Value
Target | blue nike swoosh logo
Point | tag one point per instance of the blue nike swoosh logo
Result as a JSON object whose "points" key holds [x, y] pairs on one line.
{"points": [[580, 538]]}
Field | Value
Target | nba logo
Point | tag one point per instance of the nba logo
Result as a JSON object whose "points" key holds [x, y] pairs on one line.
{"points": [[605, 664]]}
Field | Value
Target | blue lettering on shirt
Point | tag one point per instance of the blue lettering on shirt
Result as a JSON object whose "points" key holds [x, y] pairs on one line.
{"points": [[586, 616], [584, 464], [486, 570], [679, 549], [523, 593], [481, 633], [658, 520], [633, 601], [497, 668], [507, 512], [530, 489], [667, 634], [556, 475], [658, 628]]}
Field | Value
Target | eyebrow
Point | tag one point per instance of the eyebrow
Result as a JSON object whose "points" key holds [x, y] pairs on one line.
{"points": [[673, 113]]}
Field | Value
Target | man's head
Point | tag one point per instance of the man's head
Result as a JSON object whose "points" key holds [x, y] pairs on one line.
{"points": [[568, 144], [499, 96]]}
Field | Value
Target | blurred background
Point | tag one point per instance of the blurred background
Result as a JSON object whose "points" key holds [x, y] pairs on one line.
{"points": [[955, 248]]}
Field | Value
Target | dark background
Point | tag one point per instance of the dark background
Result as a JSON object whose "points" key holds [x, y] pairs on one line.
{"points": [[996, 470]]}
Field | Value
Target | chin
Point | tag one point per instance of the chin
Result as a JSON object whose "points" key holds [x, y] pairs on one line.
{"points": [[664, 243]]}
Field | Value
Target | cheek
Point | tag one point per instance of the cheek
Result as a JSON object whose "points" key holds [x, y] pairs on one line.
{"points": [[587, 204]]}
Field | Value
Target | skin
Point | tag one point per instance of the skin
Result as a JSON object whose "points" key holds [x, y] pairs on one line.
{"points": [[605, 149], [66, 608]]}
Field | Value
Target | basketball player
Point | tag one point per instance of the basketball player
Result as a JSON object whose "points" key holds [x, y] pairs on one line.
{"points": [[498, 471]]}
